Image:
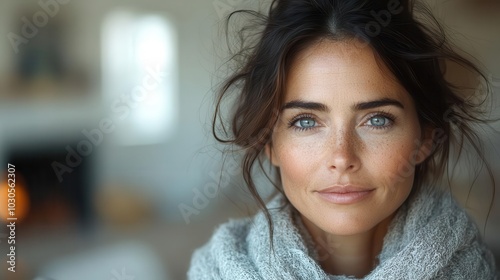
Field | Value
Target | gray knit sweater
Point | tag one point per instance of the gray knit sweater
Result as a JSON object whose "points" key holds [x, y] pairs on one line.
{"points": [[431, 237]]}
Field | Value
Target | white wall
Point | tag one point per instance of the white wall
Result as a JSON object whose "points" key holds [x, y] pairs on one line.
{"points": [[165, 172]]}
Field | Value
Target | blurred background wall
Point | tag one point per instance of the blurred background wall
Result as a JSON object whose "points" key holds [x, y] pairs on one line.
{"points": [[105, 111]]}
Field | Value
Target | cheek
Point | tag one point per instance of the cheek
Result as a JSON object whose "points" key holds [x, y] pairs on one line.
{"points": [[296, 161], [300, 162], [394, 162]]}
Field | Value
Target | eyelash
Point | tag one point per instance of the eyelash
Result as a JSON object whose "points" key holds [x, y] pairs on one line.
{"points": [[389, 116], [384, 114], [295, 119]]}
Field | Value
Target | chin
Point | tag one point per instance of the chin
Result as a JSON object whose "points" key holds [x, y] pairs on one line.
{"points": [[347, 223]]}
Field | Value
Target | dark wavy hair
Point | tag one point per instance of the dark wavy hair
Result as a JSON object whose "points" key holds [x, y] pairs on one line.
{"points": [[415, 51]]}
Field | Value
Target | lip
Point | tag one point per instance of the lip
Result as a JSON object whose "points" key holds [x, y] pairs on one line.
{"points": [[345, 194]]}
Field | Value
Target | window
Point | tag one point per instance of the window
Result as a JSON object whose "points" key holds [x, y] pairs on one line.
{"points": [[139, 71]]}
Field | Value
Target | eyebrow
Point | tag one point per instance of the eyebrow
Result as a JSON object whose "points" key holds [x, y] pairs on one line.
{"points": [[299, 104], [377, 103], [316, 106]]}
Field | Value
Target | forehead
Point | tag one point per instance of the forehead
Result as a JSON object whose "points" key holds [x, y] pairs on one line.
{"points": [[341, 68]]}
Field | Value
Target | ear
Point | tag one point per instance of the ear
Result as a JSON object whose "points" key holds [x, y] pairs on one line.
{"points": [[270, 154], [426, 146]]}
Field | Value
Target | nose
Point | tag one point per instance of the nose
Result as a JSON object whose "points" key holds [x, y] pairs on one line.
{"points": [[344, 152]]}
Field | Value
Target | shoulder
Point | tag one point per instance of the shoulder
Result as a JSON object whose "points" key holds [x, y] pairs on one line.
{"points": [[207, 260], [474, 261], [432, 206], [446, 227], [235, 247]]}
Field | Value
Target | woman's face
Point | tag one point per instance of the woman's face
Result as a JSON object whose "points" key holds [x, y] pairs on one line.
{"points": [[347, 140]]}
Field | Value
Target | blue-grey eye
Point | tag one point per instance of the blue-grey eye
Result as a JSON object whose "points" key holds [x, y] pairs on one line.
{"points": [[378, 121], [306, 123]]}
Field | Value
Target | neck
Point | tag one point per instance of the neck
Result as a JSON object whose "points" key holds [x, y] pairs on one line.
{"points": [[352, 255]]}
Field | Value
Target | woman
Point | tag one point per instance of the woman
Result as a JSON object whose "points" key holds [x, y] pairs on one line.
{"points": [[347, 100]]}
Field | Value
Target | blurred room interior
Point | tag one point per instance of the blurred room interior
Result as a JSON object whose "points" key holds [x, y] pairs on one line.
{"points": [[105, 110]]}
